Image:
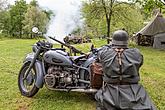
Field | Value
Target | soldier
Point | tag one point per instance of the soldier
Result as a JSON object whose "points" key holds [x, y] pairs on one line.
{"points": [[121, 90]]}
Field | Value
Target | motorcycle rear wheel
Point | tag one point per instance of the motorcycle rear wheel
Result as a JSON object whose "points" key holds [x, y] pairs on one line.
{"points": [[27, 86]]}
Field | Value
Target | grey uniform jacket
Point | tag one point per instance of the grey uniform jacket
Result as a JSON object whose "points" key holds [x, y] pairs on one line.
{"points": [[122, 91], [131, 60]]}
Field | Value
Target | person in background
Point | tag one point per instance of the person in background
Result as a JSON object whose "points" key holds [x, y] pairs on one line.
{"points": [[121, 89]]}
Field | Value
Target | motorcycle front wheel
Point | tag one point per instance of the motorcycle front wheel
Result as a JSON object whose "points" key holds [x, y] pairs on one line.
{"points": [[27, 86]]}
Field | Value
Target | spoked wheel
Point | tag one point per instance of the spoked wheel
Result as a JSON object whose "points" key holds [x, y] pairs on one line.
{"points": [[27, 86]]}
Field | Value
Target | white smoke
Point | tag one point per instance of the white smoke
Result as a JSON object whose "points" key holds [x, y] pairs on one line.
{"points": [[67, 16]]}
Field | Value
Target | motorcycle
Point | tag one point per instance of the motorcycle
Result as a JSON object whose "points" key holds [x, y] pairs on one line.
{"points": [[57, 69]]}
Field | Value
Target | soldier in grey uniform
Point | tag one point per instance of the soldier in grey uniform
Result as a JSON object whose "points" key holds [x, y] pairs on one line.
{"points": [[121, 90]]}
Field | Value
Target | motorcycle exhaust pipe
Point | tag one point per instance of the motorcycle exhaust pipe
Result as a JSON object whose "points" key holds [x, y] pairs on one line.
{"points": [[84, 81], [85, 90], [76, 90]]}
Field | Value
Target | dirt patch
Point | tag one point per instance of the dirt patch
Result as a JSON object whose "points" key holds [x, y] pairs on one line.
{"points": [[22, 105]]}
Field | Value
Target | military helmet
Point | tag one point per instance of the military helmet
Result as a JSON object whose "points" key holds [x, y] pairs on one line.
{"points": [[120, 38]]}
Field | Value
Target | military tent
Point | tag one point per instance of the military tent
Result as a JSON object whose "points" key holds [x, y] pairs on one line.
{"points": [[159, 41], [156, 31]]}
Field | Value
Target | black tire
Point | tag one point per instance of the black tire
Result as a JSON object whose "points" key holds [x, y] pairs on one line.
{"points": [[21, 85]]}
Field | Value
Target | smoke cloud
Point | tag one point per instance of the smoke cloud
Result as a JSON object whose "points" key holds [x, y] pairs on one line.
{"points": [[67, 16]]}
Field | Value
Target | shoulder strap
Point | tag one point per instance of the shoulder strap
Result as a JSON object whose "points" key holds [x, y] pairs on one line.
{"points": [[119, 52]]}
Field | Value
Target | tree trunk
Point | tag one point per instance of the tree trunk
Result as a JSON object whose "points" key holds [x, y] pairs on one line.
{"points": [[20, 31], [108, 18], [108, 28], [31, 35], [160, 10], [20, 34]]}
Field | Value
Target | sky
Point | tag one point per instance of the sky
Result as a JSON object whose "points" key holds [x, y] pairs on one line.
{"points": [[67, 16]]}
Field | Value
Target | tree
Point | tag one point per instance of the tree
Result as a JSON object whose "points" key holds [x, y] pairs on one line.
{"points": [[151, 6], [19, 18], [99, 8], [4, 22], [103, 14], [17, 13], [4, 17], [94, 20], [34, 3], [128, 17], [35, 17], [48, 13]]}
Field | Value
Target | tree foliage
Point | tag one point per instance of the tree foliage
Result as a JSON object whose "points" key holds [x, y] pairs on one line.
{"points": [[101, 9], [17, 13], [4, 17], [128, 17], [4, 22], [35, 17], [17, 20], [151, 7], [103, 16]]}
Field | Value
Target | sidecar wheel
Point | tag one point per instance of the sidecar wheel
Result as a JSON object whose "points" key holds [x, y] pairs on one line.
{"points": [[27, 86]]}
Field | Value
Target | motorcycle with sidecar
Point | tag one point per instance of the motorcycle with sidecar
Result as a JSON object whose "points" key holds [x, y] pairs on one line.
{"points": [[58, 70]]}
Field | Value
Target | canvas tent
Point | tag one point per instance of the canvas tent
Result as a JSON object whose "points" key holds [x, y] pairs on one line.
{"points": [[156, 30], [159, 41]]}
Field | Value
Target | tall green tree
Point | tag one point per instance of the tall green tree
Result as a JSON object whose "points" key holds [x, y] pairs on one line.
{"points": [[108, 15], [17, 20], [4, 22], [94, 18], [17, 13], [102, 8], [35, 16], [128, 17]]}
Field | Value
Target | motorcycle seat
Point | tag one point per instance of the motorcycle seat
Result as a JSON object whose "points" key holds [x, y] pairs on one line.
{"points": [[62, 49], [76, 58]]}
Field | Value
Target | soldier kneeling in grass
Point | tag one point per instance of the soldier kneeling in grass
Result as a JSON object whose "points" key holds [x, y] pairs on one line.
{"points": [[121, 90]]}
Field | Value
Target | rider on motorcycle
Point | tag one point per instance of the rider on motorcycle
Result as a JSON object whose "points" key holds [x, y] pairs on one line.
{"points": [[121, 66]]}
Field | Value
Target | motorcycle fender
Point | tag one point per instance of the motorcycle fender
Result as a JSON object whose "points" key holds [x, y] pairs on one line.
{"points": [[86, 65], [39, 70], [88, 62], [29, 58]]}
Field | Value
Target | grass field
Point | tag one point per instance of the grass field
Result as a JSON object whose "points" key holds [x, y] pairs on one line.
{"points": [[12, 52]]}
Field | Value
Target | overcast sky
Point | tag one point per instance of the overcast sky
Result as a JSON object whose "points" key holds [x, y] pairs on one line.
{"points": [[66, 12]]}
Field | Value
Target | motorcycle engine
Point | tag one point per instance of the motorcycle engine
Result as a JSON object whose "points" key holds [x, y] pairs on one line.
{"points": [[58, 77]]}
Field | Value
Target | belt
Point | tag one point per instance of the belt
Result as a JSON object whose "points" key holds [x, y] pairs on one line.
{"points": [[121, 83]]}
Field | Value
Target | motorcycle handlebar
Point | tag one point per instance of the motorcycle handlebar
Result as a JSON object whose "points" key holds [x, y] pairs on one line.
{"points": [[44, 45]]}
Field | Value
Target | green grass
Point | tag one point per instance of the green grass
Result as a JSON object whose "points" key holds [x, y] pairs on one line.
{"points": [[12, 53]]}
